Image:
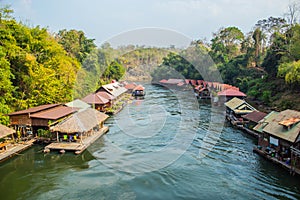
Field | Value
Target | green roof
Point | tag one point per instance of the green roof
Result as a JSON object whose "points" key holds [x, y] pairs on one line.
{"points": [[262, 123], [287, 133]]}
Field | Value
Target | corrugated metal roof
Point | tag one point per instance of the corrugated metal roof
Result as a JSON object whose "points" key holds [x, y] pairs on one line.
{"points": [[34, 109], [105, 95], [232, 93], [276, 129], [239, 106], [114, 89], [95, 99], [80, 122], [5, 131], [54, 113], [255, 116], [265, 121]]}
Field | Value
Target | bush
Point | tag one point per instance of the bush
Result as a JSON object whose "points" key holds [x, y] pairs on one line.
{"points": [[266, 96]]}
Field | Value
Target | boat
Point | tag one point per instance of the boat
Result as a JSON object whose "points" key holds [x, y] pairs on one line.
{"points": [[138, 91]]}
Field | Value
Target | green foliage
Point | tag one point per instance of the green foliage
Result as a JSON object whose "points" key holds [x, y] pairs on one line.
{"points": [[290, 71], [44, 133], [76, 43], [34, 68], [266, 96], [226, 44], [114, 71]]}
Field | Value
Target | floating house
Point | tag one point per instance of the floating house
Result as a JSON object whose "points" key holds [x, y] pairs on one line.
{"points": [[5, 132], [235, 109], [114, 89], [279, 138], [78, 131], [202, 92], [108, 96], [8, 147], [97, 101], [27, 122], [138, 91]]}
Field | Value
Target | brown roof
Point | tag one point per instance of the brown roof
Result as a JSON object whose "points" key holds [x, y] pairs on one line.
{"points": [[232, 93], [54, 113], [255, 116], [106, 95], [130, 86], [95, 99], [34, 109], [5, 131], [80, 122]]}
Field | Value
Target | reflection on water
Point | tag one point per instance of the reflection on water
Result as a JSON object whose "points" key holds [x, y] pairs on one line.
{"points": [[230, 171]]}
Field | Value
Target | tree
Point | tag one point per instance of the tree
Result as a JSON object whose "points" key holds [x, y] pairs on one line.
{"points": [[76, 43], [226, 44], [114, 71]]}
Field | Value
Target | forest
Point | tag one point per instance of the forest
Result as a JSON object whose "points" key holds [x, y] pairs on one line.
{"points": [[38, 67]]}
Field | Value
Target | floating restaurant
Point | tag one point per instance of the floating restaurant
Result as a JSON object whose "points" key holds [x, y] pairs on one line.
{"points": [[79, 131]]}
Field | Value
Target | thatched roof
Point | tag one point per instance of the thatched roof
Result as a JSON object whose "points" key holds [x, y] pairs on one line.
{"points": [[5, 131], [80, 122]]}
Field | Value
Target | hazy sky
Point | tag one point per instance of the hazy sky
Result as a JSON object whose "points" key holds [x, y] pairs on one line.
{"points": [[106, 19]]}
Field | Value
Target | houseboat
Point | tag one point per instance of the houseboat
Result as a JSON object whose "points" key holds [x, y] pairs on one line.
{"points": [[138, 91]]}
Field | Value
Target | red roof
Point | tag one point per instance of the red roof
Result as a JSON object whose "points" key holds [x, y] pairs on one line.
{"points": [[193, 82], [34, 109], [139, 87], [187, 81], [180, 84], [231, 93], [255, 116], [95, 99], [163, 81], [106, 95], [54, 113], [130, 86]]}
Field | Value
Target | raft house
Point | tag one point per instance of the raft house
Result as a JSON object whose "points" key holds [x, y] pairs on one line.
{"points": [[138, 91], [279, 139], [235, 109], [78, 132], [8, 146], [278, 133]]}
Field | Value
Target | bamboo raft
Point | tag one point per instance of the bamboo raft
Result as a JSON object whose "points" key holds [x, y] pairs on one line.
{"points": [[77, 147]]}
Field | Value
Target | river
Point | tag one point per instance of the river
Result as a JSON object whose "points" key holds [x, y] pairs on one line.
{"points": [[165, 146]]}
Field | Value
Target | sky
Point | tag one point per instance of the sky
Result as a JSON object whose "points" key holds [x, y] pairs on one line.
{"points": [[163, 22]]}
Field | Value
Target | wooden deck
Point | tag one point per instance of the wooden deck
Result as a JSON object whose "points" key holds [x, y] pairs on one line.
{"points": [[77, 147], [278, 162], [14, 149]]}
